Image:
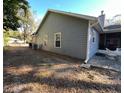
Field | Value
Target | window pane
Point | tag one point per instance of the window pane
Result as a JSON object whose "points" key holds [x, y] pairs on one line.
{"points": [[57, 37], [93, 39], [57, 43]]}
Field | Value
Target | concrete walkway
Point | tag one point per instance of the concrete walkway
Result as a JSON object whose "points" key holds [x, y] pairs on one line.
{"points": [[104, 62]]}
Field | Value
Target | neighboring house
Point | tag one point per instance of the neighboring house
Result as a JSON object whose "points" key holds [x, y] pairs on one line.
{"points": [[71, 34]]}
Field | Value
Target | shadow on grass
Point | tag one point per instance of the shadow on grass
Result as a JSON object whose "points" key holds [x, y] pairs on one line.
{"points": [[59, 82]]}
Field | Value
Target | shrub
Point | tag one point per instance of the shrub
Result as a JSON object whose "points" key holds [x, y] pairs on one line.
{"points": [[6, 37]]}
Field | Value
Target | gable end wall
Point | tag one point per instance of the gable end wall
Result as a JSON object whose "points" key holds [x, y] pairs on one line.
{"points": [[73, 35]]}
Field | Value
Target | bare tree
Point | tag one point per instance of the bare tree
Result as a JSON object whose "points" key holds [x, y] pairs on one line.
{"points": [[28, 24]]}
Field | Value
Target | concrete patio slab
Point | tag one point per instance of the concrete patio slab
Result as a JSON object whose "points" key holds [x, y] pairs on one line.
{"points": [[104, 62]]}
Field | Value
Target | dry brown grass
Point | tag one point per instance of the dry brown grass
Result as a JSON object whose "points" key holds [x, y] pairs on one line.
{"points": [[30, 71], [19, 70]]}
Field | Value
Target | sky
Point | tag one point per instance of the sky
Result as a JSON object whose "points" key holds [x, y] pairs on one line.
{"points": [[86, 7]]}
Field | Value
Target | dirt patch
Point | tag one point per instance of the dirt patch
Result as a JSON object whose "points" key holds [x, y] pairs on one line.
{"points": [[30, 71]]}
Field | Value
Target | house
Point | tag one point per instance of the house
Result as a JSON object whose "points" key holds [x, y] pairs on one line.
{"points": [[111, 37], [71, 34]]}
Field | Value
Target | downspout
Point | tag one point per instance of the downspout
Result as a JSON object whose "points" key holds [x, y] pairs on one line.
{"points": [[88, 41], [88, 44]]}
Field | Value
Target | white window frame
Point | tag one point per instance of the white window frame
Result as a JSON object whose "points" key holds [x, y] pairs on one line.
{"points": [[55, 39]]}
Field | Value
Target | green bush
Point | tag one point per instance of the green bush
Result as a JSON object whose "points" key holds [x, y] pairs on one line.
{"points": [[14, 34], [6, 37]]}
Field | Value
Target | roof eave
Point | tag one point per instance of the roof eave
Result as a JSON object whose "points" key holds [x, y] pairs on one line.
{"points": [[112, 30], [64, 13], [74, 14]]}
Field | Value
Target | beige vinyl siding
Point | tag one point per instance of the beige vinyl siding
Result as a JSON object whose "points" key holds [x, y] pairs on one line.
{"points": [[73, 34]]}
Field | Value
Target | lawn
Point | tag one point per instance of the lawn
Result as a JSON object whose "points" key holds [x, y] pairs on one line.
{"points": [[37, 71]]}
